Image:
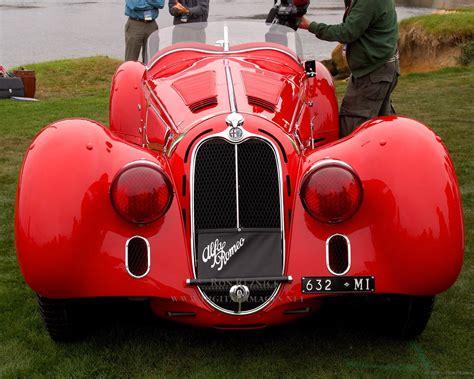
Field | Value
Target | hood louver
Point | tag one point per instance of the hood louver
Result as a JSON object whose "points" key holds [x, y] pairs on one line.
{"points": [[263, 90], [197, 91]]}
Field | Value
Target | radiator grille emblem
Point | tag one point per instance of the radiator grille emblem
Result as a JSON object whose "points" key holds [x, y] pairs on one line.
{"points": [[239, 294], [235, 134], [235, 121]]}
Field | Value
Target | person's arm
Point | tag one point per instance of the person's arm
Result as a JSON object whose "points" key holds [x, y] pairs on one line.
{"points": [[201, 9], [172, 9], [156, 3], [349, 31]]}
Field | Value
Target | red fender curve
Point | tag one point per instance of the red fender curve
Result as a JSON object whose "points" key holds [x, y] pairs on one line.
{"points": [[70, 241], [127, 104], [408, 232]]}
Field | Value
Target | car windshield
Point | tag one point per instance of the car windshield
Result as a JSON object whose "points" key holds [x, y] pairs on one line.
{"points": [[224, 35]]}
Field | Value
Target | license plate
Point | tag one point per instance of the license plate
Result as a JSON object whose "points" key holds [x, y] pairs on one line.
{"points": [[331, 284]]}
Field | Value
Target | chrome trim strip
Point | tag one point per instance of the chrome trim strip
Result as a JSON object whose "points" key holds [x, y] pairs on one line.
{"points": [[237, 204], [230, 87], [298, 111], [326, 162], [329, 161], [174, 143], [295, 58], [246, 135], [148, 257], [145, 131], [197, 282], [141, 161], [349, 260]]}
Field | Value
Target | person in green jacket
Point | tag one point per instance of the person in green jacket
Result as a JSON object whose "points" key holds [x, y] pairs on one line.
{"points": [[370, 33]]}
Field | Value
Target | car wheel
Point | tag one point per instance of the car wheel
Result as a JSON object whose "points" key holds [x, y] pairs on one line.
{"points": [[63, 319], [408, 315]]}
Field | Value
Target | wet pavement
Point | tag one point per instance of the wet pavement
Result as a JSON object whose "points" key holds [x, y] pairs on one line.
{"points": [[35, 31]]}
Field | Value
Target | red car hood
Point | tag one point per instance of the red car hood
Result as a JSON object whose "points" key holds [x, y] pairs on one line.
{"points": [[195, 88]]}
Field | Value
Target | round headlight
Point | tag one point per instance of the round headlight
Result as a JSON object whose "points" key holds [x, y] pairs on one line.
{"points": [[331, 193], [141, 193]]}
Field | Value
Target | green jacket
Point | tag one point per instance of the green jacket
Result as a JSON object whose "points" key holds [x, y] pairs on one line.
{"points": [[370, 31]]}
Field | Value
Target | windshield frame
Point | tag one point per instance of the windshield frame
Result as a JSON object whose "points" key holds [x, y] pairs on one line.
{"points": [[235, 34]]}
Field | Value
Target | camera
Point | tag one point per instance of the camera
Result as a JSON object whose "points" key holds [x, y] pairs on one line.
{"points": [[287, 12]]}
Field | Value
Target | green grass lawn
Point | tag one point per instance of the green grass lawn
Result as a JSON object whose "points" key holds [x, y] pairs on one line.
{"points": [[139, 345], [459, 24]]}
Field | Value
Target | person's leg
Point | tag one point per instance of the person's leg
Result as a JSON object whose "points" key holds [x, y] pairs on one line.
{"points": [[133, 39], [347, 124], [367, 97], [387, 108], [352, 112], [149, 29]]}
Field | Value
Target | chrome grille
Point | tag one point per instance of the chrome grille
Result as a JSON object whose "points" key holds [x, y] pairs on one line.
{"points": [[237, 188]]}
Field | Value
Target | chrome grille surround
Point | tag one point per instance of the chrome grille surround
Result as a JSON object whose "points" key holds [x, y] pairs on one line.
{"points": [[246, 136]]}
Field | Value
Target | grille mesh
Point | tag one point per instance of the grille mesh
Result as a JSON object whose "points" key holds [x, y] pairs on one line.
{"points": [[137, 255], [259, 203], [338, 254], [214, 186]]}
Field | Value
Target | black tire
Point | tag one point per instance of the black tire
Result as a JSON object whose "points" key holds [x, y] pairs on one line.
{"points": [[407, 316], [63, 319]]}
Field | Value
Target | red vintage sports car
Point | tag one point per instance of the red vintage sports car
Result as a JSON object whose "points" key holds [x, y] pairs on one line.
{"points": [[223, 195]]}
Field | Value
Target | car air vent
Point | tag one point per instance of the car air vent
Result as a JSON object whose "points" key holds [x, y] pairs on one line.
{"points": [[263, 89], [198, 91], [197, 106], [338, 254], [255, 101], [137, 257]]}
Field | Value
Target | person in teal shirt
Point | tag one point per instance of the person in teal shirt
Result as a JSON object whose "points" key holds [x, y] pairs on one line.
{"points": [[369, 32], [141, 23]]}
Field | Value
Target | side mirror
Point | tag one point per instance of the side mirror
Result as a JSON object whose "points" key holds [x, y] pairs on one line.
{"points": [[310, 68]]}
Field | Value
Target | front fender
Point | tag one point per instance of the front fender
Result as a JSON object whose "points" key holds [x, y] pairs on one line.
{"points": [[408, 232], [70, 242]]}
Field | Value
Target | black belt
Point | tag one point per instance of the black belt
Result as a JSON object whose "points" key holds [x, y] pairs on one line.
{"points": [[140, 20]]}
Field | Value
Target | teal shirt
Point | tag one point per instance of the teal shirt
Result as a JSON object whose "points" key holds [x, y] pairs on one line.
{"points": [[137, 8], [370, 31]]}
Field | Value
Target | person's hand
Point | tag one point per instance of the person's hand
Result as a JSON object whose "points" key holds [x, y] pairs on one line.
{"points": [[181, 9], [304, 23]]}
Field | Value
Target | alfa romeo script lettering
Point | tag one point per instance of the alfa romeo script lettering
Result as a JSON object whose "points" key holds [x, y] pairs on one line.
{"points": [[215, 252]]}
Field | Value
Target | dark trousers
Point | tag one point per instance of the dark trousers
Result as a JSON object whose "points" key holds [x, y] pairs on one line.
{"points": [[136, 36], [368, 96]]}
